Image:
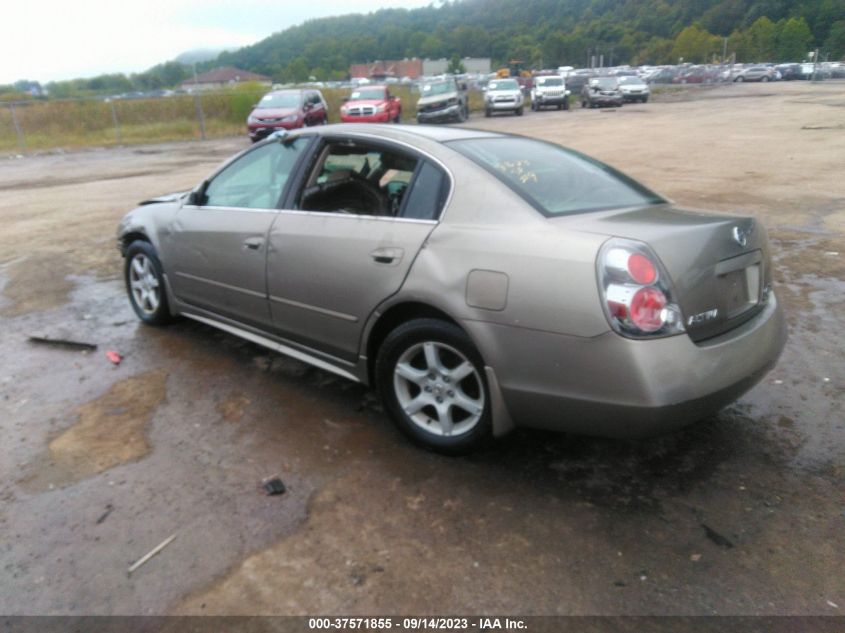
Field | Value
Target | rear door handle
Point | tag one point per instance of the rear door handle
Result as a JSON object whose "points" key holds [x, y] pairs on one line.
{"points": [[253, 243], [388, 255]]}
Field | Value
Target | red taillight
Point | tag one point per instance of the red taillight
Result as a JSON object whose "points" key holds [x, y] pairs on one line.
{"points": [[647, 309], [637, 291], [641, 269]]}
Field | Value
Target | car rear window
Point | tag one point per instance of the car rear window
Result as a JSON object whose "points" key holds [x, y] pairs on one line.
{"points": [[555, 180]]}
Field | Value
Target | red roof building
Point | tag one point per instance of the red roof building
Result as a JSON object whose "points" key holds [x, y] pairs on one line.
{"points": [[222, 77]]}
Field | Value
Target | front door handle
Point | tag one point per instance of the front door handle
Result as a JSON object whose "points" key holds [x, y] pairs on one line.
{"points": [[388, 255], [253, 243]]}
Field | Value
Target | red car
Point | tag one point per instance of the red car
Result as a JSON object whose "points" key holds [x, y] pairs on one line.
{"points": [[286, 109], [371, 104]]}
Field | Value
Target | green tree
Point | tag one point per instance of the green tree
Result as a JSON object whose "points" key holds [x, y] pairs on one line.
{"points": [[794, 40], [761, 40], [456, 66], [834, 45], [694, 44]]}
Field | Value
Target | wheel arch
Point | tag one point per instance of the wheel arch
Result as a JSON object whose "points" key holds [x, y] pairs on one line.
{"points": [[388, 319]]}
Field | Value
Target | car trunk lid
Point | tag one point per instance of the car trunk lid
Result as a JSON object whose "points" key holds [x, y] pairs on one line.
{"points": [[718, 264]]}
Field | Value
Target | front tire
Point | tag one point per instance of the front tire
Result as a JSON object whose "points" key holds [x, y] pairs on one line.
{"points": [[519, 111], [487, 113], [432, 381], [144, 278]]}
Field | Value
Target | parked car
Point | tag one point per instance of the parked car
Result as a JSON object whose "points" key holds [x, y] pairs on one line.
{"points": [[481, 281], [600, 92], [634, 89], [756, 73], [371, 104], [549, 91], [286, 110], [503, 95], [442, 99]]}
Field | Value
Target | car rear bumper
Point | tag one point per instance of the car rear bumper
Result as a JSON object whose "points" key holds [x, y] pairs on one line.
{"points": [[612, 386]]}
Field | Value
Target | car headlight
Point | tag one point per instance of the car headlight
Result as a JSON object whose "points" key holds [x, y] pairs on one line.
{"points": [[380, 108], [290, 118], [251, 119], [452, 101]]}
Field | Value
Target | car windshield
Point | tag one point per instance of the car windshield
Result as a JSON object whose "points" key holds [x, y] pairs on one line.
{"points": [[555, 180], [605, 83], [503, 84], [630, 80], [279, 100], [439, 88], [367, 93], [549, 81]]}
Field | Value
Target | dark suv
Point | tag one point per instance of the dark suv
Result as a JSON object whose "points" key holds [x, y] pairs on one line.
{"points": [[286, 109]]}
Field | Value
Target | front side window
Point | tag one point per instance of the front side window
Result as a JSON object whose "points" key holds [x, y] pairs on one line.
{"points": [[555, 180], [359, 179], [257, 179]]}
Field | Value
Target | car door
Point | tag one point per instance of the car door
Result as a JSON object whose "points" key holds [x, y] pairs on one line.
{"points": [[216, 249], [340, 250]]}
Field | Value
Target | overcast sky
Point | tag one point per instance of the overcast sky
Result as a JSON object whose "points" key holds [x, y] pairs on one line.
{"points": [[59, 39]]}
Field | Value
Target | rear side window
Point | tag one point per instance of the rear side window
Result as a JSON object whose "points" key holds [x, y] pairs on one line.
{"points": [[556, 181], [428, 194]]}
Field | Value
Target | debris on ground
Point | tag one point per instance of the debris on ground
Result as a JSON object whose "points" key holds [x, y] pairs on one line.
{"points": [[695, 557], [114, 356], [274, 486], [60, 342], [105, 514], [151, 553], [717, 538]]}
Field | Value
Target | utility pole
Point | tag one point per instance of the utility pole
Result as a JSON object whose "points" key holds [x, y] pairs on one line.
{"points": [[198, 104], [18, 130]]}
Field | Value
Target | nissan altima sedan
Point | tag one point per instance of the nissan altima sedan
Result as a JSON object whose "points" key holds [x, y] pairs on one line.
{"points": [[480, 281]]}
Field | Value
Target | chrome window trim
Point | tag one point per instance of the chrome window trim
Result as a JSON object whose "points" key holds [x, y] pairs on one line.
{"points": [[220, 208], [356, 216]]}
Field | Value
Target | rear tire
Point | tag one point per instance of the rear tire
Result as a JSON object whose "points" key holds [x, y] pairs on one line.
{"points": [[487, 112], [519, 111], [145, 284], [432, 381]]}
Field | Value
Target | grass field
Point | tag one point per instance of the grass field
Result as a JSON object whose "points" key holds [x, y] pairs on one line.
{"points": [[101, 122]]}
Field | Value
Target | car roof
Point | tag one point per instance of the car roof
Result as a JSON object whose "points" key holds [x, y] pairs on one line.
{"points": [[436, 133]]}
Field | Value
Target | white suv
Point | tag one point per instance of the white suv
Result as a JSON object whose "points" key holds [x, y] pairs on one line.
{"points": [[549, 90]]}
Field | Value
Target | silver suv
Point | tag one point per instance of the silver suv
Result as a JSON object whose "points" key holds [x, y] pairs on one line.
{"points": [[503, 95]]}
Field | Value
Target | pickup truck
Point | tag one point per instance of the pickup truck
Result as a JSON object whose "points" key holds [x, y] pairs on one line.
{"points": [[371, 104], [442, 100]]}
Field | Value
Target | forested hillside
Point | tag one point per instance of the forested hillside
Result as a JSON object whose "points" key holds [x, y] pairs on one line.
{"points": [[550, 33]]}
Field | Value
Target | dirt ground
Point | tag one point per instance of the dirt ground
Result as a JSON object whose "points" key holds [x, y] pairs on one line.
{"points": [[740, 514]]}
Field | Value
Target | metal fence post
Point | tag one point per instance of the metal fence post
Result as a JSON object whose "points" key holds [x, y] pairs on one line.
{"points": [[18, 130], [114, 119], [200, 114]]}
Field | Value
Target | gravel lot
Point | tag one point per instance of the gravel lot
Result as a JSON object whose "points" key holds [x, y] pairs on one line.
{"points": [[740, 514]]}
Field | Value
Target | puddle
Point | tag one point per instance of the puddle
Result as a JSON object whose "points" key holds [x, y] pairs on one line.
{"points": [[39, 282], [110, 430]]}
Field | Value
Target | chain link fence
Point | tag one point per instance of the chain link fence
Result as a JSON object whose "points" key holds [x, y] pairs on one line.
{"points": [[29, 126]]}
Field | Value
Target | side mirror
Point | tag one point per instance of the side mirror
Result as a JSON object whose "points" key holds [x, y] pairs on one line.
{"points": [[307, 106], [197, 196], [463, 86], [345, 99]]}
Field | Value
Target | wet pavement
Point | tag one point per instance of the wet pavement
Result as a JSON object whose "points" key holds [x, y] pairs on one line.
{"points": [[743, 513]]}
